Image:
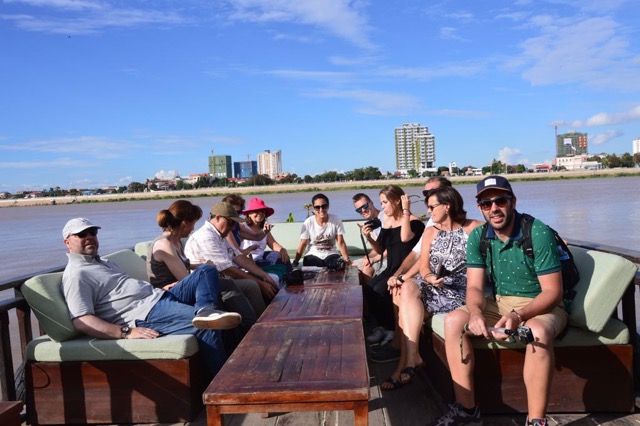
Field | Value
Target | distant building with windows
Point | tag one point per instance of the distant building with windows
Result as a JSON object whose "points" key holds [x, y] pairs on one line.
{"points": [[636, 146], [415, 148], [220, 166], [571, 143], [245, 169], [576, 162], [270, 163]]}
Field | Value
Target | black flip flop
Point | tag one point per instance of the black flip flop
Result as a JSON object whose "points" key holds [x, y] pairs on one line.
{"points": [[395, 384], [408, 371]]}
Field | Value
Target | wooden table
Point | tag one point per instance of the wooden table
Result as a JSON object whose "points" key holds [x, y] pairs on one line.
{"points": [[308, 302], [10, 413], [294, 366], [347, 277]]}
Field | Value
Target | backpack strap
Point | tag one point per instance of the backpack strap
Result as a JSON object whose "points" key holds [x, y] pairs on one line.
{"points": [[526, 223], [484, 241], [485, 246]]}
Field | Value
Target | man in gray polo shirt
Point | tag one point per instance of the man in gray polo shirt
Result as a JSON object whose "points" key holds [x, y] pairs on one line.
{"points": [[106, 303]]}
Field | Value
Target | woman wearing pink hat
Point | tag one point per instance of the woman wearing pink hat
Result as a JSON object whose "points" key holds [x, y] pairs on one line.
{"points": [[256, 215]]}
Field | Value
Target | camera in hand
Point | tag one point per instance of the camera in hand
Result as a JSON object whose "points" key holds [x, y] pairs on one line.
{"points": [[522, 334], [373, 223], [337, 264]]}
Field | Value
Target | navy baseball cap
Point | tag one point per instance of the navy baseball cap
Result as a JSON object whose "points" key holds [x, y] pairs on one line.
{"points": [[493, 182]]}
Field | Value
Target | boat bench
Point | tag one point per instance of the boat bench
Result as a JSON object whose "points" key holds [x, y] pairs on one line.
{"points": [[75, 378], [593, 360]]}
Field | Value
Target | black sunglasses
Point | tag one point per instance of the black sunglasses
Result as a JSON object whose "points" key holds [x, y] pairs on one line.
{"points": [[365, 206], [321, 206], [499, 201], [89, 231]]}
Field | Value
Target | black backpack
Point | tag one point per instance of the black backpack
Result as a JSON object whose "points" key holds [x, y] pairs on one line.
{"points": [[570, 274]]}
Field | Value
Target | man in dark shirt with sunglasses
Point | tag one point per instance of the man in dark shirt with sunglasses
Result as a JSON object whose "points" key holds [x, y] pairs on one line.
{"points": [[527, 292], [366, 208]]}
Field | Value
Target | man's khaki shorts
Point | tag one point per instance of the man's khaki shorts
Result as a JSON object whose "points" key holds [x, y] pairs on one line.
{"points": [[496, 309]]}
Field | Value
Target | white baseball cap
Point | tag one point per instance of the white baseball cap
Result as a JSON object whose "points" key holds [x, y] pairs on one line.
{"points": [[77, 225]]}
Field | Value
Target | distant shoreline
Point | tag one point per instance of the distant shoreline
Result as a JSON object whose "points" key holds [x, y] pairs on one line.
{"points": [[288, 188]]}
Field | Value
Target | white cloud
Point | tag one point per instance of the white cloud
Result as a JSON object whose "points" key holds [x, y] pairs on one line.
{"points": [[85, 17], [370, 102], [601, 138], [342, 18], [450, 33], [605, 119], [61, 4], [84, 147], [58, 163], [428, 73], [591, 51], [166, 174], [509, 155]]}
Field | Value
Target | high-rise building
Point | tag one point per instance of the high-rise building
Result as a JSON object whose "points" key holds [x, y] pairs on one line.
{"points": [[636, 146], [220, 166], [415, 148], [270, 164], [570, 144], [245, 169]]}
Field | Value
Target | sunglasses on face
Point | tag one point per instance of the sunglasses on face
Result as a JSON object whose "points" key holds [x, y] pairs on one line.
{"points": [[365, 206], [430, 208], [499, 201], [90, 231], [321, 206]]}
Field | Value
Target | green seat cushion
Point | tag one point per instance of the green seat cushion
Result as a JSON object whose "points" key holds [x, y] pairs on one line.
{"points": [[613, 333], [604, 277], [142, 248], [44, 295], [87, 348], [130, 263]]}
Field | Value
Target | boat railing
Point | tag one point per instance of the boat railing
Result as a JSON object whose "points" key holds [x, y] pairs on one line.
{"points": [[12, 358]]}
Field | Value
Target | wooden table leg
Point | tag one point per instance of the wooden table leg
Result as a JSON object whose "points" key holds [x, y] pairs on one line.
{"points": [[214, 418], [361, 413]]}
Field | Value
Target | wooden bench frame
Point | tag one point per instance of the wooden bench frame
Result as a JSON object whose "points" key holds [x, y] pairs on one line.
{"points": [[586, 378], [144, 391]]}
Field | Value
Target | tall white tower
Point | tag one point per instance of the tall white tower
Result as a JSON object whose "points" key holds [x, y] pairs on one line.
{"points": [[270, 164], [415, 148]]}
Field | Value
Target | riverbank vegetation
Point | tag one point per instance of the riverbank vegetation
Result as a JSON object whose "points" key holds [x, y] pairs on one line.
{"points": [[335, 185]]}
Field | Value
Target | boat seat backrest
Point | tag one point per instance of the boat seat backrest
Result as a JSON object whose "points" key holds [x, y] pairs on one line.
{"points": [[130, 263], [44, 295], [604, 278]]}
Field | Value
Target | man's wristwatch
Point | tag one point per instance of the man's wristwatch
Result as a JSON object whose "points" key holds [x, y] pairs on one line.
{"points": [[400, 279], [124, 330]]}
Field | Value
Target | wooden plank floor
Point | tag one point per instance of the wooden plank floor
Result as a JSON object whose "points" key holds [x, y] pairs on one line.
{"points": [[414, 404]]}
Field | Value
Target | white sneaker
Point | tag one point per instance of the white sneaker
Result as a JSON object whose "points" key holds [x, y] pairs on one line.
{"points": [[388, 336], [376, 335], [213, 319]]}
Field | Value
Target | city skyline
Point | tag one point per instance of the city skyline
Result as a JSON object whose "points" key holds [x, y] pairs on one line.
{"points": [[102, 93]]}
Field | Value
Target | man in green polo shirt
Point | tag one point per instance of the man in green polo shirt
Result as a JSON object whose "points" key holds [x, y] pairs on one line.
{"points": [[527, 291]]}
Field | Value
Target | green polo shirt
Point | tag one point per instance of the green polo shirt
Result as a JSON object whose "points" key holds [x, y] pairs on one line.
{"points": [[515, 273]]}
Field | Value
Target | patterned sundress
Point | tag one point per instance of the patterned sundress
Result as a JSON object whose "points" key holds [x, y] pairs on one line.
{"points": [[449, 249]]}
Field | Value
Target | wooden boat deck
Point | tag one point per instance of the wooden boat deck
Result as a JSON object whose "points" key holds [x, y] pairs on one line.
{"points": [[414, 404]]}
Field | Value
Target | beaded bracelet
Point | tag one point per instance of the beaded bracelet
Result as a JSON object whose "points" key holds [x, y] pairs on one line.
{"points": [[520, 320]]}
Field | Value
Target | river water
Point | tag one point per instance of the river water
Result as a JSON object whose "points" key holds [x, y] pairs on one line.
{"points": [[604, 210]]}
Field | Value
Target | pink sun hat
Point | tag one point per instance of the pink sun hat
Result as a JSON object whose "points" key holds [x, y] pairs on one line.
{"points": [[258, 204]]}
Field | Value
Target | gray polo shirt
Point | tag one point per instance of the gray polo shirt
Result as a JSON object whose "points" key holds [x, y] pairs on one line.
{"points": [[93, 286]]}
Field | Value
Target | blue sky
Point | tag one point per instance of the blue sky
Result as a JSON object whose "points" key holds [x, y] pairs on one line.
{"points": [[96, 93]]}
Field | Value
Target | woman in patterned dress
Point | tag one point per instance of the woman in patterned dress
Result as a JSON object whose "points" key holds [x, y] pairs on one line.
{"points": [[438, 281]]}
